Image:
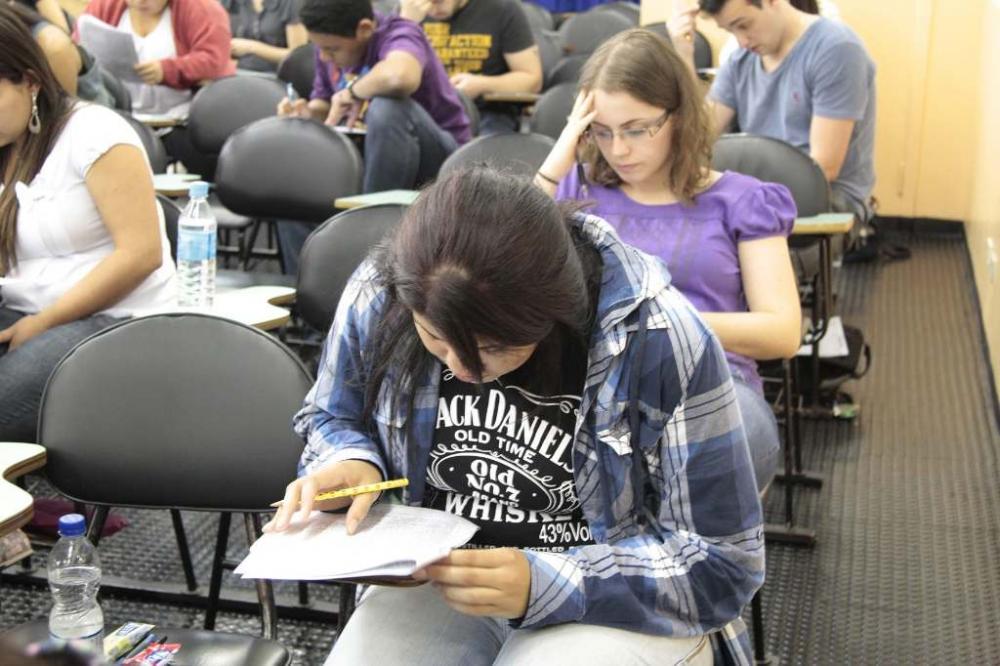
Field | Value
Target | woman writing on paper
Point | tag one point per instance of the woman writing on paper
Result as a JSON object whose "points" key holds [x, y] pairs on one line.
{"points": [[81, 242], [525, 369], [637, 149]]}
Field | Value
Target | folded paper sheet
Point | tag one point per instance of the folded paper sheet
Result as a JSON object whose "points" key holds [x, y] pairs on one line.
{"points": [[393, 540]]}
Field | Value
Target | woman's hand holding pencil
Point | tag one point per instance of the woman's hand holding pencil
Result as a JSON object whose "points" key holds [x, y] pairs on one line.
{"points": [[301, 493]]}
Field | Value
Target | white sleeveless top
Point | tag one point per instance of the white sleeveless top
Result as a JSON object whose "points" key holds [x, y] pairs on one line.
{"points": [[157, 45], [60, 234]]}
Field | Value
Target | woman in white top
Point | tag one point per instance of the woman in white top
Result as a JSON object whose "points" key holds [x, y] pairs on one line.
{"points": [[82, 242]]}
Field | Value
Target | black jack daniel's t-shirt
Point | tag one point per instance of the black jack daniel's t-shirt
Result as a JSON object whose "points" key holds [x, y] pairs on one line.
{"points": [[503, 458]]}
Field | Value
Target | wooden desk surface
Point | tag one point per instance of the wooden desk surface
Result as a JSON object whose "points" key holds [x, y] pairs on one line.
{"points": [[512, 98], [257, 306], [823, 225], [403, 197], [157, 121], [17, 459], [174, 184]]}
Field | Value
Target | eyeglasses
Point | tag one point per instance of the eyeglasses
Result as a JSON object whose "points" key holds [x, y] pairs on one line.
{"points": [[632, 136]]}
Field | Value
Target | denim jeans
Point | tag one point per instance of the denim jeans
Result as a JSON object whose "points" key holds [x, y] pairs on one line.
{"points": [[24, 371], [761, 429], [404, 147], [413, 626]]}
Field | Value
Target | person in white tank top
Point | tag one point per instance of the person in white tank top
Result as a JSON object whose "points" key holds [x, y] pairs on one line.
{"points": [[82, 240]]}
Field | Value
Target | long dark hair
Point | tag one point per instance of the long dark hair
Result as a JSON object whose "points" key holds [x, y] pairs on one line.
{"points": [[484, 254], [21, 59]]}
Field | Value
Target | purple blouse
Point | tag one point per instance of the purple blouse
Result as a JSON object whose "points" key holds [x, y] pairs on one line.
{"points": [[698, 242]]}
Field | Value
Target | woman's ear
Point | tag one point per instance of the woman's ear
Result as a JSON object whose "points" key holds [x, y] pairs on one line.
{"points": [[33, 81]]}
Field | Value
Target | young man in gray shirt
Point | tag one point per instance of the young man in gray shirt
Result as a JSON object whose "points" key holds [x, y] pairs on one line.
{"points": [[800, 78]]}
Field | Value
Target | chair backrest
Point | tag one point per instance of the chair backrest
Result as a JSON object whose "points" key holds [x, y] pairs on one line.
{"points": [[552, 108], [171, 214], [775, 161], [120, 94], [225, 105], [299, 69], [538, 17], [629, 10], [548, 52], [185, 411], [155, 151], [521, 154], [702, 51], [583, 33], [333, 252], [566, 70], [471, 111], [287, 168]]}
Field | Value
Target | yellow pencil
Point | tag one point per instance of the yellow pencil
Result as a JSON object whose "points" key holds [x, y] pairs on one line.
{"points": [[357, 490]]}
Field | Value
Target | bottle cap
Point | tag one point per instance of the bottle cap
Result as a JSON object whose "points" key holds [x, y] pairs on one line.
{"points": [[198, 190], [72, 524]]}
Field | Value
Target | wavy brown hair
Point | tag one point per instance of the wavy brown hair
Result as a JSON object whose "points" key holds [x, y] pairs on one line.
{"points": [[21, 59], [644, 65]]}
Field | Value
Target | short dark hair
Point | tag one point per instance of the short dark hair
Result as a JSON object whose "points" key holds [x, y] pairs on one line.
{"points": [[713, 7], [335, 17]]}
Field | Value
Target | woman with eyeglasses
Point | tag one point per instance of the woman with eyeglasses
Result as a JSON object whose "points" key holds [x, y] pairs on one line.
{"points": [[637, 149]]}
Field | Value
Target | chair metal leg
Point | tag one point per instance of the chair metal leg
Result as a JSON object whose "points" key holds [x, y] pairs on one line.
{"points": [[97, 524], [760, 654], [182, 548], [788, 532], [798, 476], [348, 591], [218, 561], [303, 593], [265, 592]]}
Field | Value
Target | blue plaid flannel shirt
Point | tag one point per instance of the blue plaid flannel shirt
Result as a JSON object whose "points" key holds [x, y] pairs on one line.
{"points": [[692, 568]]}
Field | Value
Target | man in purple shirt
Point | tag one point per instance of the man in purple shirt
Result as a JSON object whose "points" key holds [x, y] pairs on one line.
{"points": [[381, 70]]}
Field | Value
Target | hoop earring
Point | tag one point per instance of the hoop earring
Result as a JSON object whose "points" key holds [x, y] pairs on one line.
{"points": [[34, 122]]}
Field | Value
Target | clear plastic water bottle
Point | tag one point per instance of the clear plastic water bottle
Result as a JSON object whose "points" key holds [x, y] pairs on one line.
{"points": [[74, 577], [196, 233]]}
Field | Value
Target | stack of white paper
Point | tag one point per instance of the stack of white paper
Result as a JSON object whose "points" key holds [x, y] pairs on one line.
{"points": [[114, 49], [393, 540]]}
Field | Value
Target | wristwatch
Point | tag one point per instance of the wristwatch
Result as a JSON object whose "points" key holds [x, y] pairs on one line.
{"points": [[350, 89]]}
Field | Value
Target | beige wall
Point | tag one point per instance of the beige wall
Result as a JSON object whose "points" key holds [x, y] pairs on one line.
{"points": [[984, 219]]}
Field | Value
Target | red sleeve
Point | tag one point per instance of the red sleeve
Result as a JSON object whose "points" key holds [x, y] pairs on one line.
{"points": [[201, 32]]}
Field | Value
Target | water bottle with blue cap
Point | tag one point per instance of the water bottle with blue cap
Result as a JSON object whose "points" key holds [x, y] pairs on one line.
{"points": [[196, 239], [74, 570]]}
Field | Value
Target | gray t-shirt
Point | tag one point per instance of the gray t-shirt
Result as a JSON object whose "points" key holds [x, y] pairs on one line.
{"points": [[827, 73]]}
